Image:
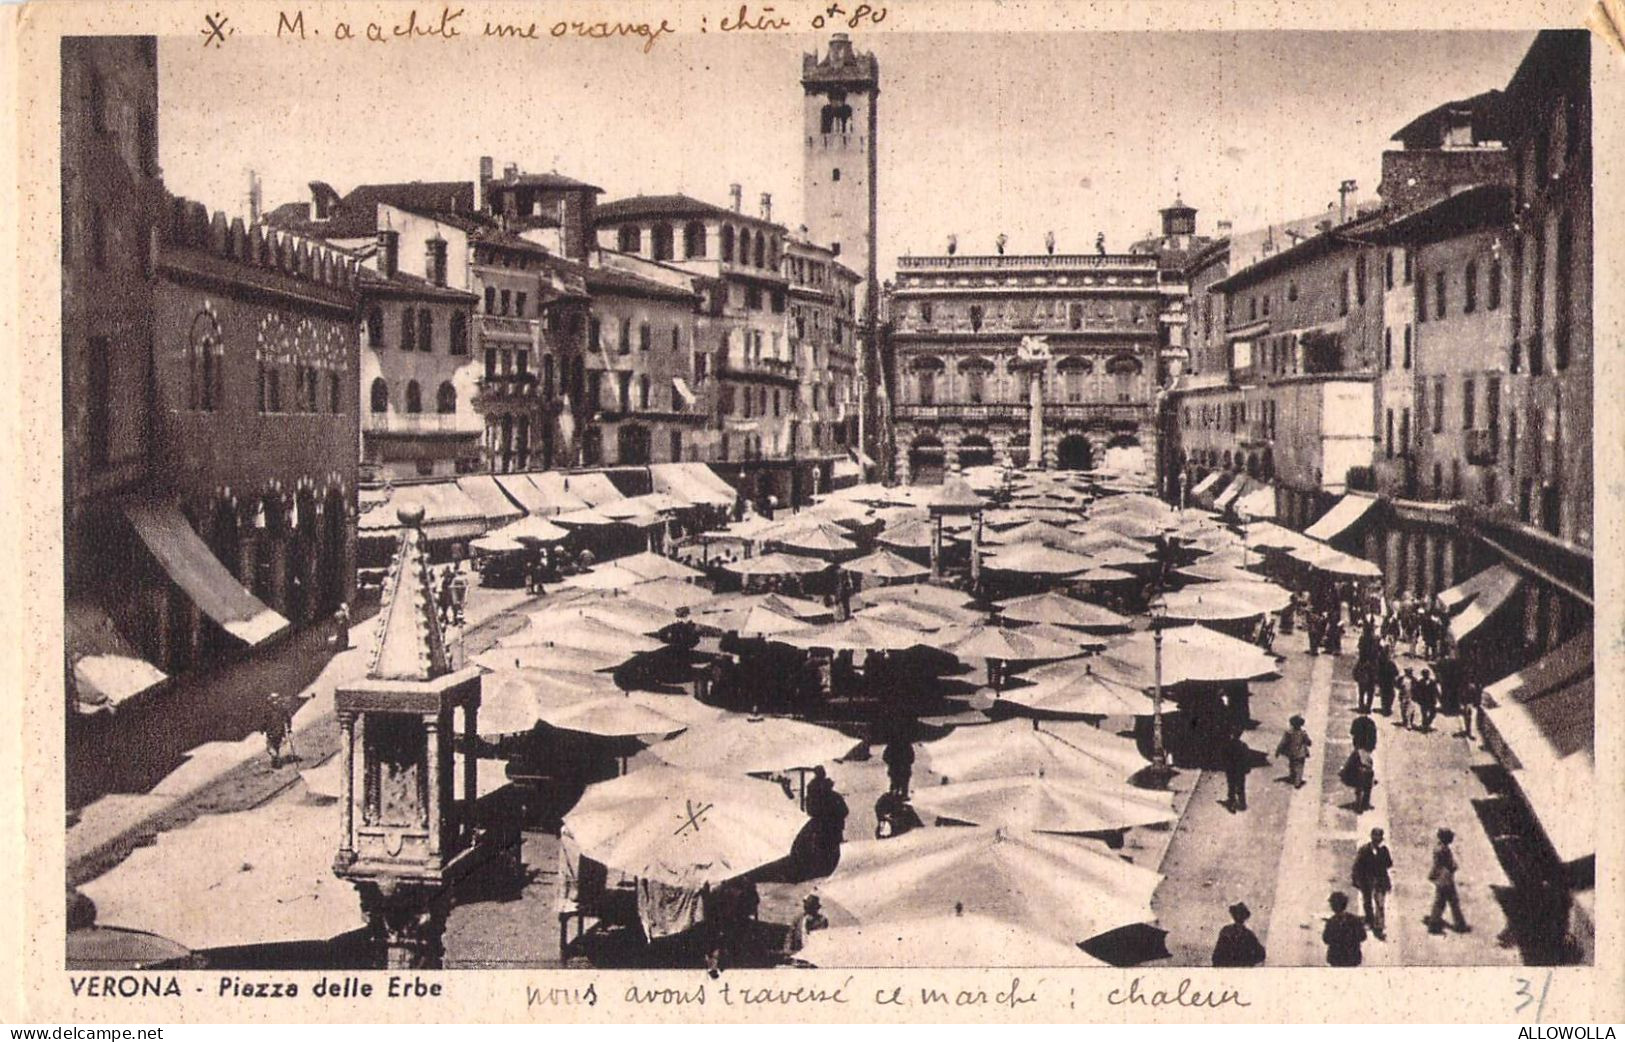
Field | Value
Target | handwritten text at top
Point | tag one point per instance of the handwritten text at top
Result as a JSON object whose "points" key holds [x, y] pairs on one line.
{"points": [[454, 23]]}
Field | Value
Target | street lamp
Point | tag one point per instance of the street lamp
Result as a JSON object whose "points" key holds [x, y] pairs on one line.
{"points": [[1160, 769]]}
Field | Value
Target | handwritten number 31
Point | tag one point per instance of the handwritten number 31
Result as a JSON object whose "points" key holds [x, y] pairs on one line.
{"points": [[1529, 998]]}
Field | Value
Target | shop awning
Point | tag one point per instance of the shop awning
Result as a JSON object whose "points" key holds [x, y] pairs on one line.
{"points": [[684, 481], [595, 488], [448, 513], [1231, 493], [187, 560], [1459, 595], [1343, 515], [863, 458], [107, 669], [1497, 591], [845, 468], [522, 491], [1542, 729], [1206, 485], [684, 392], [556, 498], [489, 497], [1260, 502]]}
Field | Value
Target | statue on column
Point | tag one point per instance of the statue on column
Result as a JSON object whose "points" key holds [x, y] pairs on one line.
{"points": [[1049, 243], [953, 245], [999, 243]]}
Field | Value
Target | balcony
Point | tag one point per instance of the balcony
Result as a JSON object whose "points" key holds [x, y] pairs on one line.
{"points": [[506, 327], [1029, 262], [424, 423], [507, 387], [778, 370], [979, 412], [1112, 413], [1483, 446]]}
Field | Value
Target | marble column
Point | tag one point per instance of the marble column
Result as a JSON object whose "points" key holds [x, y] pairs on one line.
{"points": [[431, 728], [1035, 418], [976, 552], [347, 739]]}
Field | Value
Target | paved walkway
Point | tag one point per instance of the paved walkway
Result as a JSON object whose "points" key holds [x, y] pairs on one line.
{"points": [[1294, 846]]}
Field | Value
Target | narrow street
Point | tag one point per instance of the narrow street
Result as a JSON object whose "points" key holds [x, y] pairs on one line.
{"points": [[1293, 847]]}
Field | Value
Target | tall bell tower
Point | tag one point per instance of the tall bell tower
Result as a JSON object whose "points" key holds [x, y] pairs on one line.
{"points": [[840, 111]]}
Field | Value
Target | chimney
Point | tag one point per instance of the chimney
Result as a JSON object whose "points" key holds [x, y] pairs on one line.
{"points": [[487, 168], [1224, 228], [389, 245], [254, 198], [736, 196], [510, 172], [767, 206], [435, 260]]}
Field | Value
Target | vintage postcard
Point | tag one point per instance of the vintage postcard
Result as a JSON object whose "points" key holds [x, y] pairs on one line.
{"points": [[816, 511]]}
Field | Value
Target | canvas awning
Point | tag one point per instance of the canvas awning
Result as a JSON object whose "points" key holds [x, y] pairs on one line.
{"points": [[684, 392], [1496, 592], [489, 497], [863, 458], [523, 491], [684, 481], [594, 488], [187, 560], [1343, 515], [107, 669], [1231, 493], [557, 498], [1260, 502], [1541, 726], [448, 512], [1207, 484], [1459, 595]]}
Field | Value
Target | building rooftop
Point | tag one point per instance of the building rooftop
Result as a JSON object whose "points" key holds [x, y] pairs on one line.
{"points": [[355, 216], [677, 205], [1485, 113], [552, 179]]}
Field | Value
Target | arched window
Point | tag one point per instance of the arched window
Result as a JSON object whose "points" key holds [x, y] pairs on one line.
{"points": [[727, 244], [694, 239], [414, 397], [445, 399], [761, 250], [925, 372], [375, 326], [837, 115], [1125, 371], [380, 395], [207, 364], [645, 336], [662, 241], [425, 330], [409, 329], [629, 239], [1074, 375]]}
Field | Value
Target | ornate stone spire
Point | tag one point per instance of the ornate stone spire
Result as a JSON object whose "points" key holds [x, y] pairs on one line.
{"points": [[410, 645]]}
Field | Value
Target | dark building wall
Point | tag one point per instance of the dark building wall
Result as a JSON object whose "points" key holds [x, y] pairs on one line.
{"points": [[1411, 177]]}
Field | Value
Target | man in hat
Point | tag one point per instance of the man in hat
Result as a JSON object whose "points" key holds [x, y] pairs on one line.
{"points": [[1427, 698], [1237, 756], [1407, 697], [1372, 864], [1238, 945], [1294, 746], [278, 729], [1443, 878], [1387, 679]]}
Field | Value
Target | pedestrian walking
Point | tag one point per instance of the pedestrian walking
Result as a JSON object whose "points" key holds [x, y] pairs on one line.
{"points": [[1363, 733], [1472, 705], [278, 727], [1443, 877], [1426, 695], [1365, 681], [1407, 697], [1295, 745], [899, 759], [341, 627], [1238, 756], [1360, 774], [1237, 944], [1343, 934], [1372, 865], [1387, 680]]}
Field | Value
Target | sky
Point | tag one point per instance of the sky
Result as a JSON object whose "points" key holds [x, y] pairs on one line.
{"points": [[980, 133]]}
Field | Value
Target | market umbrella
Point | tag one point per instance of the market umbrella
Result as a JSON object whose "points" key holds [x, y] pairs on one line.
{"points": [[1261, 596], [843, 511], [944, 941], [1044, 802], [587, 634], [531, 529], [776, 564], [1335, 562], [915, 593], [493, 544], [1037, 559], [683, 828], [1267, 535], [261, 876], [513, 701], [623, 613], [1131, 525], [925, 617], [649, 566], [883, 564], [1189, 654], [1060, 610], [1028, 747], [750, 621], [748, 745], [783, 604], [1208, 572], [608, 576], [548, 657], [915, 534], [671, 593], [1004, 644], [855, 634], [1034, 532], [1075, 686], [820, 538], [1051, 886], [609, 716], [1119, 557], [584, 518], [1062, 635]]}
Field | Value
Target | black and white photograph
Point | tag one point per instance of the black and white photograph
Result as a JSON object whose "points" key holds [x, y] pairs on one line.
{"points": [[721, 499]]}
